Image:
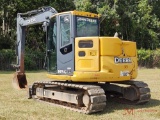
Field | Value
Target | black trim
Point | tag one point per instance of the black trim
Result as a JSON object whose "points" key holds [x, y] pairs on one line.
{"points": [[81, 53], [85, 44], [66, 49]]}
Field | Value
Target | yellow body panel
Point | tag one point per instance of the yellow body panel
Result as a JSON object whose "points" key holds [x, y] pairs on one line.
{"points": [[129, 48], [89, 62], [110, 46], [98, 65]]}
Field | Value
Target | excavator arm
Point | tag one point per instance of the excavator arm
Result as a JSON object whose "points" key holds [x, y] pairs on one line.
{"points": [[34, 17]]}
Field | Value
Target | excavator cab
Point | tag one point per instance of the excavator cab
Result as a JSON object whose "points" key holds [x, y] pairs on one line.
{"points": [[62, 31]]}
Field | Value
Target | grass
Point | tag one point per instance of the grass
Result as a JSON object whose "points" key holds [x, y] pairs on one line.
{"points": [[14, 104]]}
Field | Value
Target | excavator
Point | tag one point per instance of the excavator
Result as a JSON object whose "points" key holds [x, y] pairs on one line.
{"points": [[84, 69]]}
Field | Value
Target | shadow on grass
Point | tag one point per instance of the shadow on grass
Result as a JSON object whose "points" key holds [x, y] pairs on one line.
{"points": [[111, 106]]}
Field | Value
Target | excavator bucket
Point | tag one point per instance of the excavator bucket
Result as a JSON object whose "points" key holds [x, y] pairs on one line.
{"points": [[19, 80]]}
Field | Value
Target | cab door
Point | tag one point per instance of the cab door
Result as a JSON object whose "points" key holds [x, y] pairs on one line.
{"points": [[65, 49]]}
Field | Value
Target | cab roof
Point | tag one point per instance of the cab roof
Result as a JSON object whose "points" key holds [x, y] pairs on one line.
{"points": [[80, 13]]}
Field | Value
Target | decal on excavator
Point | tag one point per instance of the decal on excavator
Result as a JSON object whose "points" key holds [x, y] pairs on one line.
{"points": [[122, 60], [31, 20], [124, 73], [65, 71]]}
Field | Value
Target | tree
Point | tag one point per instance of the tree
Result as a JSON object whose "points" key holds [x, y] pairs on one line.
{"points": [[8, 14], [7, 32], [136, 20], [146, 24]]}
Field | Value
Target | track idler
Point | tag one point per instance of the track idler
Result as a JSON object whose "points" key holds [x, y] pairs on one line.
{"points": [[19, 80]]}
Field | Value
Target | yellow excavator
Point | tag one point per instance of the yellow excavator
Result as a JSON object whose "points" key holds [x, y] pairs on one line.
{"points": [[84, 69]]}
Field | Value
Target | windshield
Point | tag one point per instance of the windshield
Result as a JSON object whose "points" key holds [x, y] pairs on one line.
{"points": [[86, 26]]}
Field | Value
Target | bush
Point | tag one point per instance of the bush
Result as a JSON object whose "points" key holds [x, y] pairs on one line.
{"points": [[34, 60], [156, 58], [145, 58], [149, 58], [7, 57]]}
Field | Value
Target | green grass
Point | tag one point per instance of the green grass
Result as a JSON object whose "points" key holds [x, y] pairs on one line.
{"points": [[14, 104]]}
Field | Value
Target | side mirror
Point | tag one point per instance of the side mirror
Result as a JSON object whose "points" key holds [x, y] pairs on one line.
{"points": [[44, 25]]}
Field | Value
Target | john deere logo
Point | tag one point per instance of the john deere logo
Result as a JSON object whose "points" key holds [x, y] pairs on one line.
{"points": [[122, 60]]}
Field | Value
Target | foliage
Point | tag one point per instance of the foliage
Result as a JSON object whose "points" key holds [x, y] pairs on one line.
{"points": [[156, 58], [7, 53], [135, 20], [145, 58], [34, 60], [6, 57], [8, 14], [149, 58]]}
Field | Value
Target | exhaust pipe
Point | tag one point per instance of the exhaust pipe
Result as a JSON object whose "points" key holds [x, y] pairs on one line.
{"points": [[19, 80]]}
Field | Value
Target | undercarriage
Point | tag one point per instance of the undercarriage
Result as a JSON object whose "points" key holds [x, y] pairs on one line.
{"points": [[89, 97]]}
